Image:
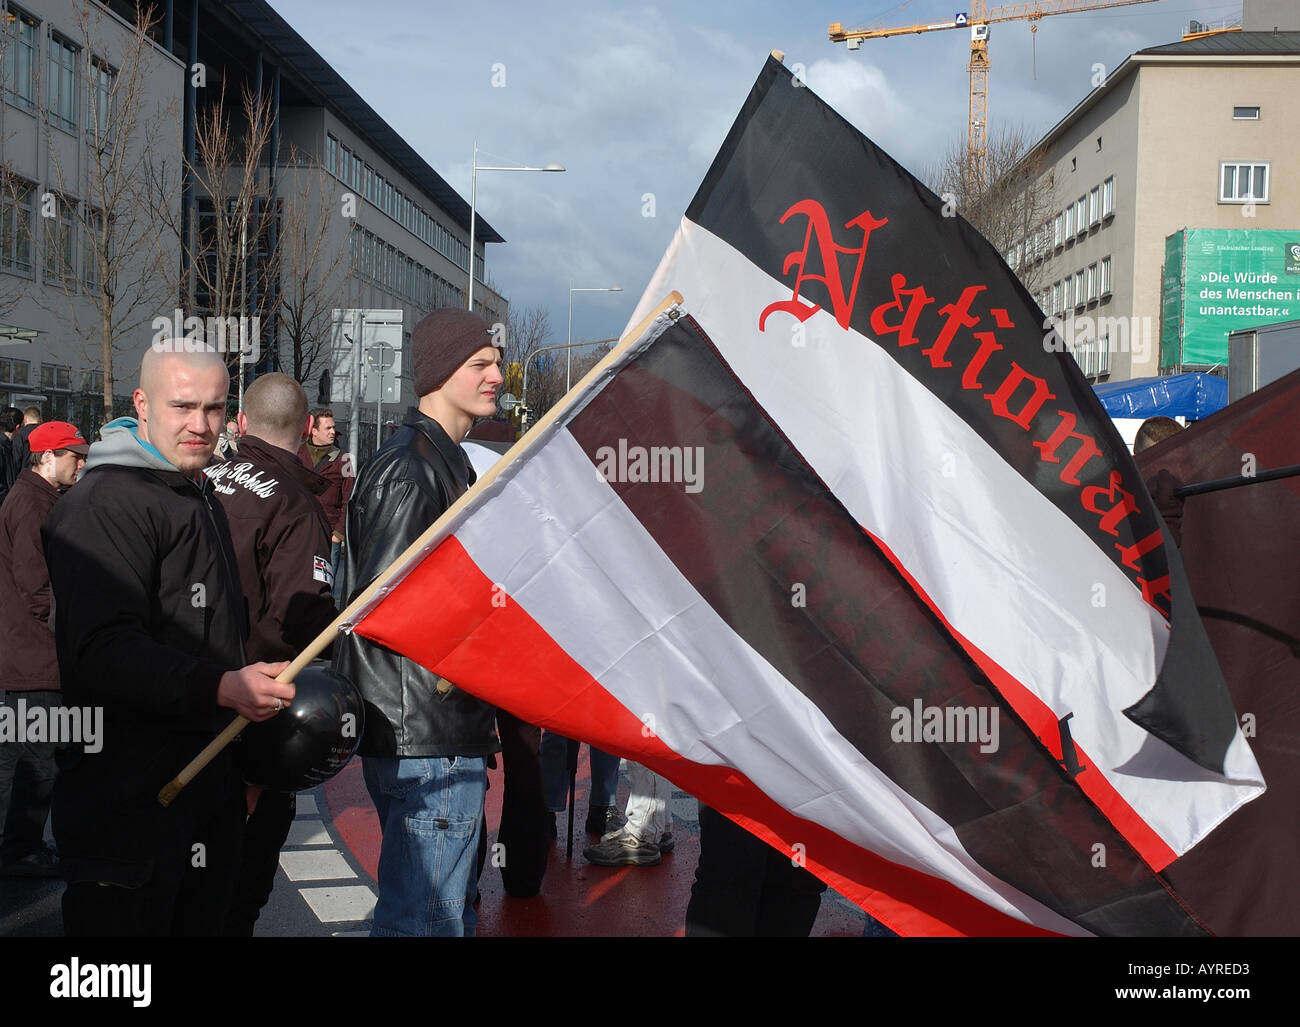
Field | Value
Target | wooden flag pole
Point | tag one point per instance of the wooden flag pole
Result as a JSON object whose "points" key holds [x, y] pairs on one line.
{"points": [[418, 549]]}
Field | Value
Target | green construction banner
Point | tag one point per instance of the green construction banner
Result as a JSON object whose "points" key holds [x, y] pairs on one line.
{"points": [[1219, 280]]}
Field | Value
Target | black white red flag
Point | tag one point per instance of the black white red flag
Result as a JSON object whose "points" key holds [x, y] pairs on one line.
{"points": [[852, 556]]}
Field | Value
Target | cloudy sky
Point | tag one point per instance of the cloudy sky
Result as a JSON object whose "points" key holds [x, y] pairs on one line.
{"points": [[635, 99]]}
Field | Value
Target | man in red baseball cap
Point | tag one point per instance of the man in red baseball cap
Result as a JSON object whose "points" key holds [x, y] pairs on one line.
{"points": [[57, 454]]}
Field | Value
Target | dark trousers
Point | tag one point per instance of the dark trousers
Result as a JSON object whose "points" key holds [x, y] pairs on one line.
{"points": [[188, 893], [744, 888], [264, 835], [27, 772], [525, 821]]}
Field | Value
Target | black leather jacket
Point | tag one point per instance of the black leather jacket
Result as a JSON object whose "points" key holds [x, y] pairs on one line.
{"points": [[400, 491]]}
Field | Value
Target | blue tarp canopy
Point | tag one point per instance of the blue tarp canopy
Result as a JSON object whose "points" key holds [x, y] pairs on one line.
{"points": [[1194, 396]]}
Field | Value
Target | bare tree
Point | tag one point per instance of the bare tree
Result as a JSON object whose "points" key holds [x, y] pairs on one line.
{"points": [[1008, 201], [315, 267], [237, 226], [122, 200], [528, 329]]}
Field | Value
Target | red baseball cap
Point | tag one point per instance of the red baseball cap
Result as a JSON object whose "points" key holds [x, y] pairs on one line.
{"points": [[57, 435]]}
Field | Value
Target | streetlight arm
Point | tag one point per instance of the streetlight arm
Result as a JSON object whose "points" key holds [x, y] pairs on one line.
{"points": [[475, 168]]}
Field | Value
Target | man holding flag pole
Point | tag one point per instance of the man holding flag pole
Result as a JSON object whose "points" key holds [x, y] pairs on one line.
{"points": [[425, 742]]}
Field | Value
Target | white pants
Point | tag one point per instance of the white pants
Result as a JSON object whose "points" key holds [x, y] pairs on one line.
{"points": [[647, 805]]}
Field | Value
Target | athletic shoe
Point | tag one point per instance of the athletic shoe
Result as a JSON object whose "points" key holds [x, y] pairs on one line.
{"points": [[604, 820], [622, 850], [666, 842]]}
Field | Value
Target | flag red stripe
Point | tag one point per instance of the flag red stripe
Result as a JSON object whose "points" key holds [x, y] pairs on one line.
{"points": [[1042, 721], [476, 636]]}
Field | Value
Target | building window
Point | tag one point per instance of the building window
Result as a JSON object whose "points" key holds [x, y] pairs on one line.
{"points": [[99, 115], [1094, 206], [1069, 221], [1108, 197], [1103, 279], [1092, 283], [56, 376], [15, 372], [1245, 114], [1058, 231], [1243, 183], [331, 155], [19, 57], [1080, 215], [61, 83], [1055, 306], [16, 227]]}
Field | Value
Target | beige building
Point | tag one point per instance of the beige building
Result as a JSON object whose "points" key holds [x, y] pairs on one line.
{"points": [[1194, 134]]}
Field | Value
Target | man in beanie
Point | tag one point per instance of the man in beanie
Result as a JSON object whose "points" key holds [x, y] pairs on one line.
{"points": [[425, 742], [27, 768]]}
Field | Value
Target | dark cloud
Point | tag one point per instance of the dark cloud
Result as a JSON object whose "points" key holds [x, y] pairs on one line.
{"points": [[636, 100]]}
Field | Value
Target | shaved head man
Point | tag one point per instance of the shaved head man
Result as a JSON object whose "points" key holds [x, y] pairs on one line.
{"points": [[180, 403], [275, 410], [282, 545], [150, 626]]}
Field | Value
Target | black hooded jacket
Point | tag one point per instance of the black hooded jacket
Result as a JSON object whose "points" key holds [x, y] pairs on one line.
{"points": [[148, 615]]}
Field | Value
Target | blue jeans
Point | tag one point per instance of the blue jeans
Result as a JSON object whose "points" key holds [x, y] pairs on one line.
{"points": [[555, 774], [430, 815], [336, 568]]}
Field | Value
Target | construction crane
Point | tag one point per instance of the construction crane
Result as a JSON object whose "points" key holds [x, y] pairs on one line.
{"points": [[978, 19]]}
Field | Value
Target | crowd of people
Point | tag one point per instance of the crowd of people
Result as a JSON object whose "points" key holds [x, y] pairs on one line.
{"points": [[168, 573]]}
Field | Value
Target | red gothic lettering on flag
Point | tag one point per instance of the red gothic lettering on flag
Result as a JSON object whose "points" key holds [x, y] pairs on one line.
{"points": [[836, 530]]}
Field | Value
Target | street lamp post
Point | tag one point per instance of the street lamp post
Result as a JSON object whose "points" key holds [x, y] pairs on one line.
{"points": [[473, 203], [526, 416], [568, 356]]}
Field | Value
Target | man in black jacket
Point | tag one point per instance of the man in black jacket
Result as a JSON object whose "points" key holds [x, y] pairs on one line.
{"points": [[282, 546], [150, 626], [425, 742]]}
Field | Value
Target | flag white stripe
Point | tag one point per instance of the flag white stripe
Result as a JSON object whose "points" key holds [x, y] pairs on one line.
{"points": [[1007, 569], [567, 550]]}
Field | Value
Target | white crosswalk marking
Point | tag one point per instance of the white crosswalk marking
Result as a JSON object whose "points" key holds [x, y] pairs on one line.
{"points": [[307, 832], [316, 865], [309, 854], [340, 903]]}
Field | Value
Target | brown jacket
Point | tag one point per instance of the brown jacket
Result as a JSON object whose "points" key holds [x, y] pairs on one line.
{"points": [[28, 660], [282, 546], [337, 470]]}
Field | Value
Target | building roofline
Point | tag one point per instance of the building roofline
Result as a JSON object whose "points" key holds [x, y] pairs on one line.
{"points": [[1152, 56], [294, 55]]}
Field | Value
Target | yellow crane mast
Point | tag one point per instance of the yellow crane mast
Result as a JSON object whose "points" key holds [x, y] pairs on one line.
{"points": [[978, 19]]}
